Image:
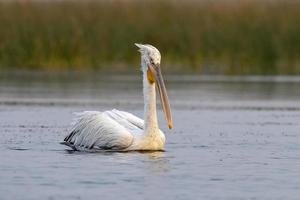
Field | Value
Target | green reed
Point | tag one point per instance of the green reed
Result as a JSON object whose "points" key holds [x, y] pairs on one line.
{"points": [[221, 37]]}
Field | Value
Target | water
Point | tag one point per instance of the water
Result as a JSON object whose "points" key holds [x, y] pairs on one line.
{"points": [[232, 139]]}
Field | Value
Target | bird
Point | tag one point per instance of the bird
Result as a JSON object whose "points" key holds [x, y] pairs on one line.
{"points": [[115, 130]]}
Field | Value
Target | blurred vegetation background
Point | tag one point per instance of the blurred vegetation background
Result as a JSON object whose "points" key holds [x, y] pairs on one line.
{"points": [[207, 36]]}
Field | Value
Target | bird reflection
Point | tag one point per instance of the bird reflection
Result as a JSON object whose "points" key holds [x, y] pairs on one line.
{"points": [[157, 162]]}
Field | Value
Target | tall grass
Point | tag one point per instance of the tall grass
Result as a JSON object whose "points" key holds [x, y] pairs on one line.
{"points": [[223, 37]]}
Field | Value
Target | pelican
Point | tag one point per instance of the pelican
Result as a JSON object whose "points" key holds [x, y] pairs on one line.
{"points": [[116, 130]]}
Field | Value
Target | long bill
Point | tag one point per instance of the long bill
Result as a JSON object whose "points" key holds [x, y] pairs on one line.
{"points": [[162, 93]]}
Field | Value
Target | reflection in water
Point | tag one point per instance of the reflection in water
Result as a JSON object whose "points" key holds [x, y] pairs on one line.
{"points": [[157, 162], [153, 154], [107, 90]]}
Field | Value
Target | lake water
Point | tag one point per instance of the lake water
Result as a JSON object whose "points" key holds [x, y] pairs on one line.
{"points": [[233, 138]]}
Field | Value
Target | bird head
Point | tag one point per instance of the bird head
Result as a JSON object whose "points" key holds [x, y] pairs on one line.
{"points": [[151, 65], [149, 54]]}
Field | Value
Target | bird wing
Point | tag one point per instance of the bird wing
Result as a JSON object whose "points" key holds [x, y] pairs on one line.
{"points": [[127, 120], [97, 130]]}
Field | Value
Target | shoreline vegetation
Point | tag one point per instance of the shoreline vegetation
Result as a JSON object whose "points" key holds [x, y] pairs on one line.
{"points": [[204, 37]]}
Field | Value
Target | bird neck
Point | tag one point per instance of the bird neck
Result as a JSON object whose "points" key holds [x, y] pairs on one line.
{"points": [[150, 115]]}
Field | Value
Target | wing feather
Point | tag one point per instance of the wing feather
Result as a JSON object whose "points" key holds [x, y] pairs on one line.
{"points": [[126, 119], [95, 130]]}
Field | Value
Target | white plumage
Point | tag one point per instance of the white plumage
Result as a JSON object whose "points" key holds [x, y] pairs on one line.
{"points": [[121, 131]]}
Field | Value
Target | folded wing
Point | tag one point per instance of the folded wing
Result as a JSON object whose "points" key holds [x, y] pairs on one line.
{"points": [[127, 120], [109, 130]]}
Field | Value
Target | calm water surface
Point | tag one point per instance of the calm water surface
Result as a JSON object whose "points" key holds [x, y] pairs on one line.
{"points": [[232, 139]]}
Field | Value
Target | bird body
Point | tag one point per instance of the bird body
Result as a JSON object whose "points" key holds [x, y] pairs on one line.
{"points": [[121, 131]]}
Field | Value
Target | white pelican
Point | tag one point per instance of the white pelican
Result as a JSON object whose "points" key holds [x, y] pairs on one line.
{"points": [[116, 130]]}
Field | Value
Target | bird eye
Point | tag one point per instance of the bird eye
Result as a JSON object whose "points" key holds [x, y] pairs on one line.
{"points": [[151, 61]]}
